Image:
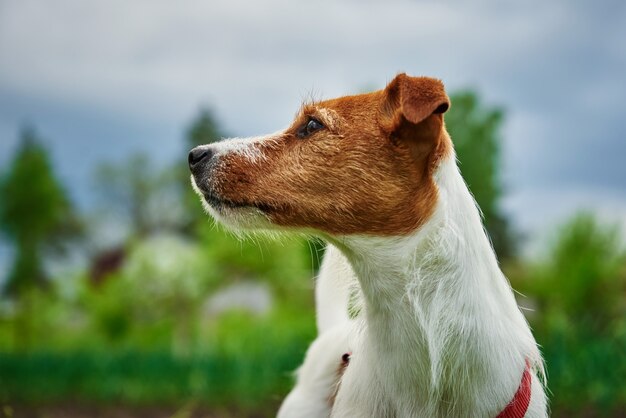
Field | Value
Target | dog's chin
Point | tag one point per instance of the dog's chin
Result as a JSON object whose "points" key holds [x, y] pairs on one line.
{"points": [[234, 215], [238, 217]]}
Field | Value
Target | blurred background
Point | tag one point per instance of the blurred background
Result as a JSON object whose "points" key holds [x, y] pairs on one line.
{"points": [[120, 298]]}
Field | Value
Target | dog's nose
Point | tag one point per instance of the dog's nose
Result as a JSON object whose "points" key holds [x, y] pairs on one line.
{"points": [[197, 155]]}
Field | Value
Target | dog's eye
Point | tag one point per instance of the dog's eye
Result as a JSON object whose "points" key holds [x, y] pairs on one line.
{"points": [[312, 126]]}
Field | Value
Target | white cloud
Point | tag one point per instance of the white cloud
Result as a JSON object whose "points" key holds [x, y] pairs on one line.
{"points": [[160, 58]]}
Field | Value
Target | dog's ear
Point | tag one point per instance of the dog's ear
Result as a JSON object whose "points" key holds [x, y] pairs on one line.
{"points": [[413, 99]]}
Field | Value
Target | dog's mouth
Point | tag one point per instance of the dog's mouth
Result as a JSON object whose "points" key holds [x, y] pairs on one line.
{"points": [[219, 202]]}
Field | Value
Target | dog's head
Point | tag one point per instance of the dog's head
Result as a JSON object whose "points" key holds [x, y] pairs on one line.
{"points": [[359, 164]]}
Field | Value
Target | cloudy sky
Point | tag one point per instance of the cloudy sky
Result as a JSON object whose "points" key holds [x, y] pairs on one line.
{"points": [[100, 79]]}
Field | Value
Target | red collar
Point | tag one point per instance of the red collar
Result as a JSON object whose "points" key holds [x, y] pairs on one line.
{"points": [[519, 404]]}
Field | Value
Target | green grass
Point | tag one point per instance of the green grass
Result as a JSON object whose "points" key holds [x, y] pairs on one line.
{"points": [[134, 377], [247, 363]]}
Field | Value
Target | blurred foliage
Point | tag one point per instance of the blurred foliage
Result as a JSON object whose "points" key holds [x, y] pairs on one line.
{"points": [[580, 293], [35, 213], [139, 194], [588, 267], [248, 364], [145, 335], [204, 129], [475, 131]]}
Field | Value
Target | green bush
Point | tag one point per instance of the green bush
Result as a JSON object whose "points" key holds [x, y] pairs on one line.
{"points": [[142, 336], [581, 317]]}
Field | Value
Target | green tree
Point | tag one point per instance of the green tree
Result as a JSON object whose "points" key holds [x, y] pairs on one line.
{"points": [[140, 193], [149, 198], [204, 129], [583, 280], [475, 131], [35, 213], [580, 320]]}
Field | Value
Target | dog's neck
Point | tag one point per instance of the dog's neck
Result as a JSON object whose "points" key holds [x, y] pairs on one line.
{"points": [[450, 250], [441, 296]]}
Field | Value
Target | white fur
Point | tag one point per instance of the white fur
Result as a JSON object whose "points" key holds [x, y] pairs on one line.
{"points": [[237, 218], [246, 147], [440, 334], [333, 290]]}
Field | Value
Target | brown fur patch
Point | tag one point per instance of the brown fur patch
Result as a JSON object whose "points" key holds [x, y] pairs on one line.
{"points": [[369, 171]]}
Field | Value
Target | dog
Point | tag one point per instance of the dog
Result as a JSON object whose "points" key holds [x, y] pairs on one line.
{"points": [[436, 331]]}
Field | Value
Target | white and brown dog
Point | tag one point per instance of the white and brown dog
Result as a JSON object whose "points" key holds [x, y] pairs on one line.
{"points": [[438, 332]]}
